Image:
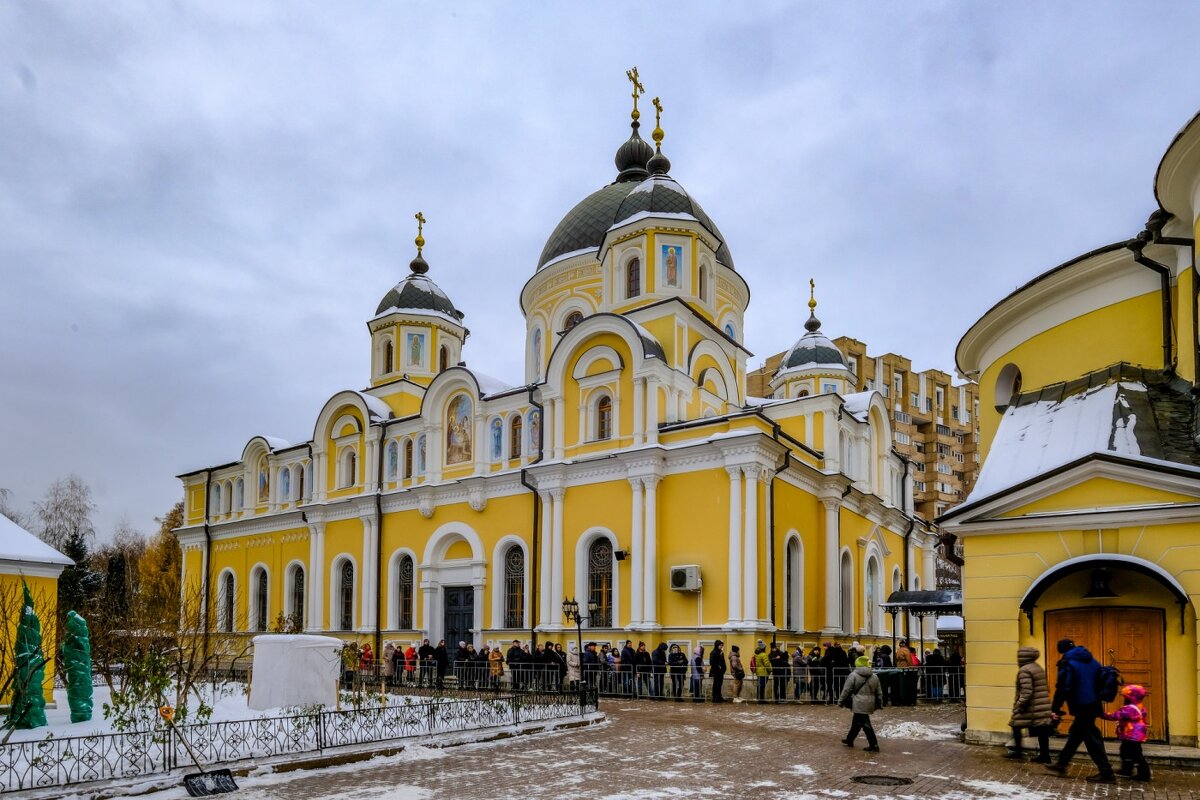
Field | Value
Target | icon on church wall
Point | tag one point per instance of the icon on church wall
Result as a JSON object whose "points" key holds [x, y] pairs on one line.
{"points": [[285, 484], [497, 439], [729, 331], [537, 352], [421, 454], [672, 261], [535, 431], [458, 430], [393, 459], [264, 481], [416, 349]]}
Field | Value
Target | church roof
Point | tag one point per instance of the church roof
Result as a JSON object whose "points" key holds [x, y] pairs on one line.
{"points": [[418, 293], [18, 544], [813, 351]]}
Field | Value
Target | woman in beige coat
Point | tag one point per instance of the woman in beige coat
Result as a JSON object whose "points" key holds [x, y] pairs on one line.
{"points": [[1031, 705], [496, 665]]}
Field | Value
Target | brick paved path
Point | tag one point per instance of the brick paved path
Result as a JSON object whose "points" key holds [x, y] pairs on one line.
{"points": [[659, 750]]}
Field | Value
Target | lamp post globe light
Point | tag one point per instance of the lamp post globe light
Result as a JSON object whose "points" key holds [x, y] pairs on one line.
{"points": [[571, 613]]}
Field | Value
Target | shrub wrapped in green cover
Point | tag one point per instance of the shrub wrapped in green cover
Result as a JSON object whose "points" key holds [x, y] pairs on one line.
{"points": [[77, 662], [28, 708]]}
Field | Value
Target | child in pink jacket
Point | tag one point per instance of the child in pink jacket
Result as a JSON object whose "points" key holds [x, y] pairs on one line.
{"points": [[1131, 730]]}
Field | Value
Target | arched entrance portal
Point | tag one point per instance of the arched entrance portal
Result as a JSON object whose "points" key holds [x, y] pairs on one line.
{"points": [[453, 577]]}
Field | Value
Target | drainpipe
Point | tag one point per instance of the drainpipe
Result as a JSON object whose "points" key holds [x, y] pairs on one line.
{"points": [[1136, 246], [379, 545], [534, 572], [1155, 225], [207, 559], [787, 461], [912, 523]]}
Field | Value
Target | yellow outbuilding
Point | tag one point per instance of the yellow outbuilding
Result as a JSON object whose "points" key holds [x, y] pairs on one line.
{"points": [[1083, 523], [627, 467]]}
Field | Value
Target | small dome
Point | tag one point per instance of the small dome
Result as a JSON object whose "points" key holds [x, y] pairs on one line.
{"points": [[814, 350], [632, 156], [418, 293]]}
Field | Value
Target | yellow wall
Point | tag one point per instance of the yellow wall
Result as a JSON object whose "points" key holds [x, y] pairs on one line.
{"points": [[45, 599]]}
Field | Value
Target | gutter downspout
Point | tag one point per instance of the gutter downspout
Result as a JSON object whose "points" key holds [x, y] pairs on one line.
{"points": [[534, 572], [207, 558], [912, 523], [787, 462], [1136, 245], [379, 547]]}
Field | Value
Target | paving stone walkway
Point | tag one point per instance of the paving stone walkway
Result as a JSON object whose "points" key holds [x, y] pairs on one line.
{"points": [[662, 750]]}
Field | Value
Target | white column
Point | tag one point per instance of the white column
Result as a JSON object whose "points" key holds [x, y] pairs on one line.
{"points": [[545, 567], [650, 562], [548, 423], [735, 545], [481, 444], [651, 413], [750, 563], [316, 578], [636, 548], [833, 578], [366, 577], [433, 454], [560, 427], [310, 619], [639, 411], [556, 583]]}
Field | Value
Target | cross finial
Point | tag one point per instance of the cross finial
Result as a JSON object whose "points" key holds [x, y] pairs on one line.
{"points": [[420, 240], [638, 89], [812, 295], [658, 131]]}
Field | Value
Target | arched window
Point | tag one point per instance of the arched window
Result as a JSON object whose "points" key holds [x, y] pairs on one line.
{"points": [[393, 460], [443, 358], [872, 595], [296, 602], [227, 498], [285, 485], [260, 600], [847, 587], [346, 596], [604, 417], [793, 585], [408, 458], [514, 437], [215, 505], [404, 593], [349, 465], [389, 357], [300, 482], [633, 278], [573, 319], [600, 583], [239, 495], [226, 603], [703, 283], [514, 587]]}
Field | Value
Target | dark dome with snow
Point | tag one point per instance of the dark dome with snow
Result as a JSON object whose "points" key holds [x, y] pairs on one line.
{"points": [[418, 293], [814, 350]]}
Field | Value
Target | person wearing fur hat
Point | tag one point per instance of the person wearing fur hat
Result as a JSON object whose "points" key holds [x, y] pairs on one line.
{"points": [[1031, 705], [863, 695], [1131, 731]]}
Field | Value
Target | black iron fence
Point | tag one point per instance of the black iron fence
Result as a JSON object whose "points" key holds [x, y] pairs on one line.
{"points": [[81, 759]]}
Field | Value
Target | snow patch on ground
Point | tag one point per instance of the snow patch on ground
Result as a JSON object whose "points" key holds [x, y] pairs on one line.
{"points": [[800, 769], [919, 731]]}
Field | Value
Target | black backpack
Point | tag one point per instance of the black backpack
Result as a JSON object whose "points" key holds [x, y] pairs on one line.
{"points": [[1108, 683]]}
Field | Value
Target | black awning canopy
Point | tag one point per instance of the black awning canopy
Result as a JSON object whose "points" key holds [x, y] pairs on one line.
{"points": [[929, 603]]}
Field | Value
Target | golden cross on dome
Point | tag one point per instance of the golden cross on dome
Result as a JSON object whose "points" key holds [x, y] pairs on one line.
{"points": [[658, 131], [420, 240], [638, 89], [812, 294]]}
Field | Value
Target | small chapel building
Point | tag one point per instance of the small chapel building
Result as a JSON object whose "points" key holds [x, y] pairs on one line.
{"points": [[627, 468]]}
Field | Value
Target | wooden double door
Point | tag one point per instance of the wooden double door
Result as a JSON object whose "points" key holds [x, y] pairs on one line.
{"points": [[1131, 639]]}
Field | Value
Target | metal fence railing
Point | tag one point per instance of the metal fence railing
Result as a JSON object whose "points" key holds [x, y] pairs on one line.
{"points": [[80, 759]]}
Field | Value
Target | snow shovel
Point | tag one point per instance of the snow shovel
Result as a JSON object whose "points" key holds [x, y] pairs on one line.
{"points": [[202, 784]]}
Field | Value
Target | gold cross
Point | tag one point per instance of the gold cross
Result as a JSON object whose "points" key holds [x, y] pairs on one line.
{"points": [[812, 294], [638, 89], [658, 131], [420, 240]]}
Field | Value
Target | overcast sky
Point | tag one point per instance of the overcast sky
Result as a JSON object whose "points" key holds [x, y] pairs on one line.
{"points": [[202, 203]]}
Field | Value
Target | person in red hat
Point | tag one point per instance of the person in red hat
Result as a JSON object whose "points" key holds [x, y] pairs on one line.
{"points": [[1131, 731]]}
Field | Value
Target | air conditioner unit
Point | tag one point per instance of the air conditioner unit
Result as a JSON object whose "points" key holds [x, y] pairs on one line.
{"points": [[686, 578]]}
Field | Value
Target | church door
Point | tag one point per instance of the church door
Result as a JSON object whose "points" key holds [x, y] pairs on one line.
{"points": [[1131, 639], [459, 615]]}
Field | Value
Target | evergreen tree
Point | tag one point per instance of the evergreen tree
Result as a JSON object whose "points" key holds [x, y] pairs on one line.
{"points": [[28, 709], [77, 584], [116, 586]]}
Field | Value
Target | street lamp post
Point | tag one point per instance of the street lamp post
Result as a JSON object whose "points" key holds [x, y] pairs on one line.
{"points": [[570, 608]]}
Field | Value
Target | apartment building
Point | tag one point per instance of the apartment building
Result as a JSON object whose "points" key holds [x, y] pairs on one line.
{"points": [[934, 420]]}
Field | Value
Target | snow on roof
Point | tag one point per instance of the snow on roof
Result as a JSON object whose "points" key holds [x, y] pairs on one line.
{"points": [[641, 215], [377, 407], [758, 401], [571, 254], [658, 180], [275, 443], [858, 404], [489, 385], [1036, 437], [18, 544], [418, 312]]}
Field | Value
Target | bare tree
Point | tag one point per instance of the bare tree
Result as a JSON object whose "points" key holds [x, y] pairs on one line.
{"points": [[10, 511], [66, 513]]}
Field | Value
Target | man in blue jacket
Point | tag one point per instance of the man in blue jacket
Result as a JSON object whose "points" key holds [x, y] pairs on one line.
{"points": [[1076, 686]]}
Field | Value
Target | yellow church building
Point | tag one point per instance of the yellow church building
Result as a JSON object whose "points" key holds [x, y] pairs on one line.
{"points": [[627, 468], [1083, 523]]}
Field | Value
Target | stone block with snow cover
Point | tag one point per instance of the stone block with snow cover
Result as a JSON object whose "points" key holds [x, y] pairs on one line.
{"points": [[294, 670]]}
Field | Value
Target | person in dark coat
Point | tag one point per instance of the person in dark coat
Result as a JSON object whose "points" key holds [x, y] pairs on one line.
{"points": [[516, 664], [658, 667], [441, 659], [425, 654], [716, 670], [837, 667], [641, 668], [589, 662], [625, 669], [677, 664], [816, 671], [935, 674], [781, 667], [560, 663], [1076, 686], [461, 657]]}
